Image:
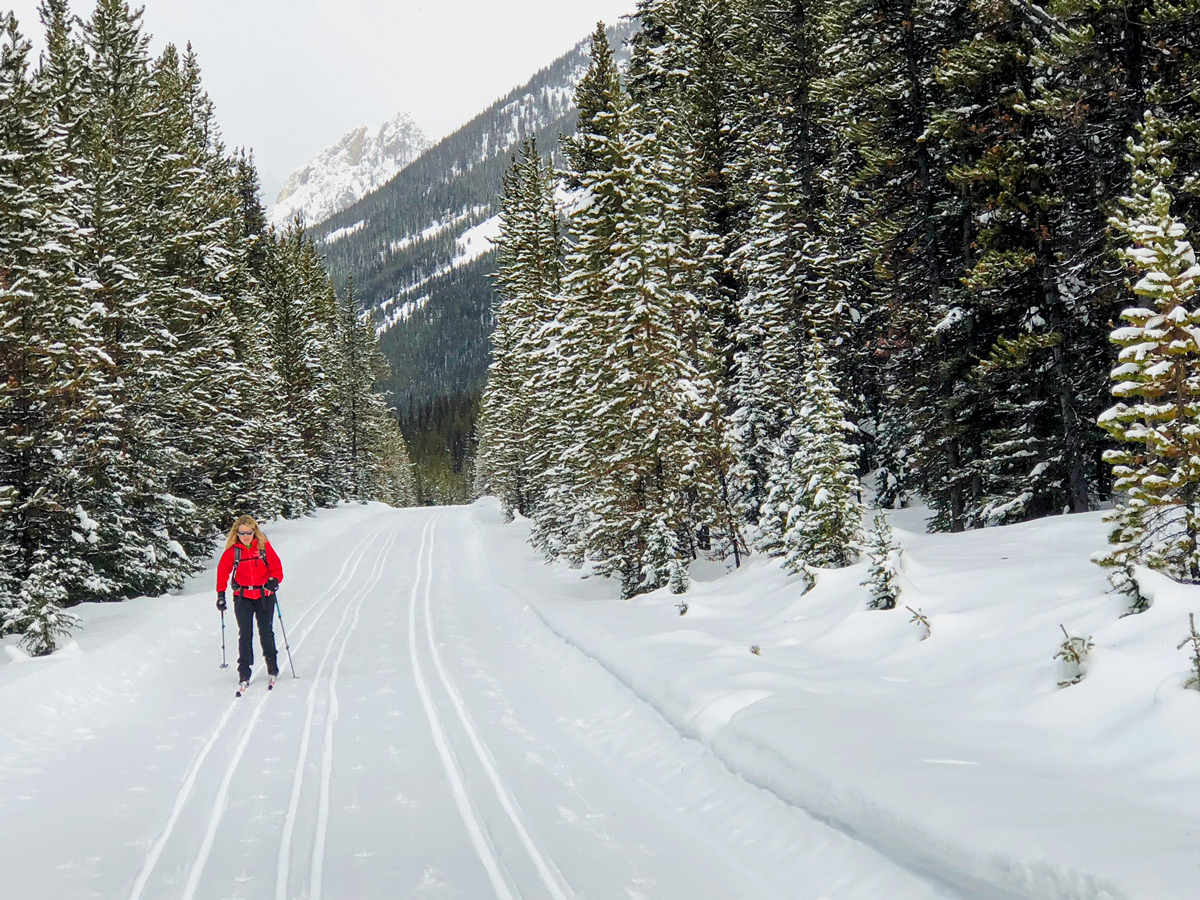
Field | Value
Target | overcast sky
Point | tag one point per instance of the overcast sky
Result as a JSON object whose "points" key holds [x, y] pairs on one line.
{"points": [[289, 77]]}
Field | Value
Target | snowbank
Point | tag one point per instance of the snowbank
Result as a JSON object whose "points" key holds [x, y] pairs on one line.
{"points": [[959, 755]]}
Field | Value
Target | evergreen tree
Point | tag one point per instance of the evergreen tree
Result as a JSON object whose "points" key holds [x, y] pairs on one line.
{"points": [[637, 425], [595, 154], [1031, 285], [680, 87], [139, 522], [320, 303], [39, 614], [366, 426], [205, 422], [680, 121], [45, 351], [257, 456], [884, 565], [654, 430], [1157, 380], [397, 485], [599, 120], [518, 420], [880, 96], [295, 345], [767, 359], [813, 515]]}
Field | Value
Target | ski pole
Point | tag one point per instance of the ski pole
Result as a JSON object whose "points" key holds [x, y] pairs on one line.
{"points": [[224, 665], [285, 640]]}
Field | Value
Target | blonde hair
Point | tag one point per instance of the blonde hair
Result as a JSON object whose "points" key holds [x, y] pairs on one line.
{"points": [[242, 521]]}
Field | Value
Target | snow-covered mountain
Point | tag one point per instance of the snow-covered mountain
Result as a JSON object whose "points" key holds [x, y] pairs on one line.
{"points": [[345, 172]]}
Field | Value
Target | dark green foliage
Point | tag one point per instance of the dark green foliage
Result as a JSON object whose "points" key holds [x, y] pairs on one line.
{"points": [[167, 363], [439, 434], [928, 185]]}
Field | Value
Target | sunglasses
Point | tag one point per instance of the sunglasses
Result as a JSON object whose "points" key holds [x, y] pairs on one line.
{"points": [[245, 533]]}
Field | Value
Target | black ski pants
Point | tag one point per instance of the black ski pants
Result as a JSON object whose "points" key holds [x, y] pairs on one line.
{"points": [[247, 610]]}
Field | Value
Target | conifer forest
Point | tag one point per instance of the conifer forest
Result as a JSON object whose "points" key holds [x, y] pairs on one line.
{"points": [[826, 527], [799, 242], [168, 361]]}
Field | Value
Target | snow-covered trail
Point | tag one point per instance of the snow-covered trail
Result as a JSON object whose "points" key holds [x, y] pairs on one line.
{"points": [[441, 741]]}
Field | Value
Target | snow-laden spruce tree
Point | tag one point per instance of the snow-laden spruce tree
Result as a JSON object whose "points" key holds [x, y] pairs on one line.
{"points": [[47, 339], [637, 427], [124, 263], [298, 306], [680, 89], [1156, 383], [518, 421], [190, 273], [502, 414], [397, 480], [571, 342], [883, 564], [658, 449], [39, 616], [812, 515], [257, 458], [788, 262], [767, 353], [368, 429]]}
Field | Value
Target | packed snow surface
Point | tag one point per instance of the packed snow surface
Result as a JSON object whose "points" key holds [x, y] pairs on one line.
{"points": [[338, 233], [475, 242], [469, 723]]}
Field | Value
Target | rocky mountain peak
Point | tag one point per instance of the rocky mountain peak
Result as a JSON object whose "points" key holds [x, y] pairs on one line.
{"points": [[361, 161]]}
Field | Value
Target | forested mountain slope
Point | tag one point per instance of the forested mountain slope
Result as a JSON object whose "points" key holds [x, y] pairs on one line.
{"points": [[403, 244]]}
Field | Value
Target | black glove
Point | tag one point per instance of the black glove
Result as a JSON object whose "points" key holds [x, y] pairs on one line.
{"points": [[272, 585], [221, 605]]}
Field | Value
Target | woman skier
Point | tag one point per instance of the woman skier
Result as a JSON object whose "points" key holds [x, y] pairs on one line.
{"points": [[256, 571]]}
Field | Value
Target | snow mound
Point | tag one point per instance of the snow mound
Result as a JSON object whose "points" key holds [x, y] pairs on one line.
{"points": [[959, 755]]}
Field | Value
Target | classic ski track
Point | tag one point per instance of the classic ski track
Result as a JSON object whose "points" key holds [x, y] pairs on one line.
{"points": [[298, 776], [284, 858], [468, 814], [222, 798], [318, 855], [181, 799], [549, 874], [189, 781]]}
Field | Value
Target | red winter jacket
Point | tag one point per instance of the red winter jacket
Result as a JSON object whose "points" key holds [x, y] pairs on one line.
{"points": [[253, 571]]}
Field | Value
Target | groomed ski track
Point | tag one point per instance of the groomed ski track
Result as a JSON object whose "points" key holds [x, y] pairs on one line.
{"points": [[440, 741]]}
